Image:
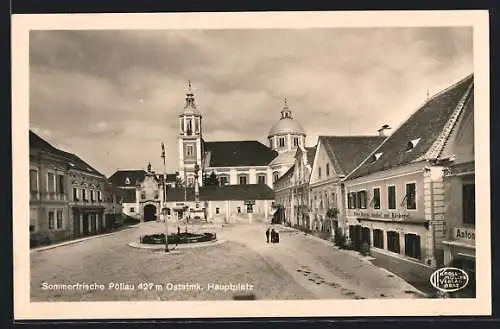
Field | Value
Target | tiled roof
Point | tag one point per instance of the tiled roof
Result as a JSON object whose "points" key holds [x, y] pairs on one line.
{"points": [[134, 176], [239, 153], [427, 129], [347, 152], [461, 168], [221, 193], [284, 158], [311, 152], [72, 160]]}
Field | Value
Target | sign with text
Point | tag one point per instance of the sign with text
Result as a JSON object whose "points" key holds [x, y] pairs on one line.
{"points": [[380, 214], [249, 201], [464, 234]]}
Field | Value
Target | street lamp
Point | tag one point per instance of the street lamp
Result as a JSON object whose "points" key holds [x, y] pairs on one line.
{"points": [[164, 209]]}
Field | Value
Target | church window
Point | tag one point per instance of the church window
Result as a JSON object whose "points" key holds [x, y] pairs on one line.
{"points": [[327, 169], [295, 141], [189, 127], [261, 179], [319, 172], [281, 142]]}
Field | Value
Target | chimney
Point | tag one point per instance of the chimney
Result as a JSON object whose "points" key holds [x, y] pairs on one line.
{"points": [[383, 131]]}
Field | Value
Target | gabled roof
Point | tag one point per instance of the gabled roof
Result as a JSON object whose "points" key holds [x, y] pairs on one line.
{"points": [[238, 154], [427, 129], [222, 193], [287, 174], [347, 152], [71, 160], [134, 176]]}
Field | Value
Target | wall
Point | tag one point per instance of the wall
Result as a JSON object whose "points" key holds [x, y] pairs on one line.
{"points": [[233, 174]]}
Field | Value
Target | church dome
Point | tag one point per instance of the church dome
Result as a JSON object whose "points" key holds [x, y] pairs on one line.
{"points": [[286, 124]]}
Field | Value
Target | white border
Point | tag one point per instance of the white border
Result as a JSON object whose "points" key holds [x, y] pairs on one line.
{"points": [[21, 24]]}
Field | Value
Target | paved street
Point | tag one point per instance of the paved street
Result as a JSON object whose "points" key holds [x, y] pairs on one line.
{"points": [[299, 267]]}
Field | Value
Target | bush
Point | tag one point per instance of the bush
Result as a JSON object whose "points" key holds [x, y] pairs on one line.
{"points": [[365, 249], [181, 238]]}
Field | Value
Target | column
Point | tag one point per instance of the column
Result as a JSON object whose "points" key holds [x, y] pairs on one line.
{"points": [[289, 142]]}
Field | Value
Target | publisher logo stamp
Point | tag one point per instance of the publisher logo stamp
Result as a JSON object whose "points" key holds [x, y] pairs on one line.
{"points": [[449, 279]]}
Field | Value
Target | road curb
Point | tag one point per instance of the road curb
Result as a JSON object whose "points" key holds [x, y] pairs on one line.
{"points": [[66, 243]]}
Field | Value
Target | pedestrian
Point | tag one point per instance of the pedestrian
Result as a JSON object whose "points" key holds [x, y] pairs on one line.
{"points": [[273, 236], [178, 230], [267, 235]]}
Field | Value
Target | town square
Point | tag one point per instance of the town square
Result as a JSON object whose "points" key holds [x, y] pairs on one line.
{"points": [[306, 165]]}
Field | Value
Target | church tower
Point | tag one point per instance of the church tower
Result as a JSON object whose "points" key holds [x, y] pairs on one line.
{"points": [[190, 137]]}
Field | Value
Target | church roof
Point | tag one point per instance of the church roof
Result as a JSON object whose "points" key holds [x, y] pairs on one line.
{"points": [[347, 152], [286, 126], [284, 158], [72, 160], [238, 154], [222, 193], [119, 178], [424, 134]]}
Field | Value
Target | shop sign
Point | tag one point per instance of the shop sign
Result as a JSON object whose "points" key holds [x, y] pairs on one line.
{"points": [[252, 202], [380, 214], [465, 234]]}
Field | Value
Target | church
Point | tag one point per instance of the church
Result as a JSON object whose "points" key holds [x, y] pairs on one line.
{"points": [[246, 169]]}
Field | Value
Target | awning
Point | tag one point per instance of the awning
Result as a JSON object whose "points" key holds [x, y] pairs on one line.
{"points": [[459, 244]]}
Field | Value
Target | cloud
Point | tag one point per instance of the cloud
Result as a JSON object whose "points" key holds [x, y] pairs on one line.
{"points": [[113, 96]]}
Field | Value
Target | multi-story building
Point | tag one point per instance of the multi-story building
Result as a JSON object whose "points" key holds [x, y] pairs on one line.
{"points": [[113, 213], [459, 197], [283, 195], [395, 197], [335, 157], [66, 199]]}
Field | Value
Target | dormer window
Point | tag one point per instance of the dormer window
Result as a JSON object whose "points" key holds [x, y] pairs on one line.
{"points": [[127, 180], [411, 144], [71, 164], [376, 156]]}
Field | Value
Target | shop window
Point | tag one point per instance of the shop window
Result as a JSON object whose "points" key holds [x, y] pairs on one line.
{"points": [[217, 211], [378, 238], [412, 245], [33, 180], [469, 204], [411, 197], [249, 208], [391, 193], [376, 198], [393, 241]]}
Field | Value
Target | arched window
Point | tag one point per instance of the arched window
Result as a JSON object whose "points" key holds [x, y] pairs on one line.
{"points": [[275, 176]]}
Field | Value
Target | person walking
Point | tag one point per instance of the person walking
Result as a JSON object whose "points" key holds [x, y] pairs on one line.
{"points": [[267, 235]]}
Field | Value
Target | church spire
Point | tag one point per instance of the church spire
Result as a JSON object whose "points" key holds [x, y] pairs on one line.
{"points": [[285, 112], [190, 98]]}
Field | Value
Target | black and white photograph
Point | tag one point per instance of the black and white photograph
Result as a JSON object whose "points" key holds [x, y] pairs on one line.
{"points": [[325, 161]]}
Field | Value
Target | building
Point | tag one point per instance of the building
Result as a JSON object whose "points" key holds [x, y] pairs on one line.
{"points": [[395, 197], [66, 194], [236, 162], [232, 162], [142, 192], [222, 204], [113, 212], [459, 197], [292, 189], [335, 157]]}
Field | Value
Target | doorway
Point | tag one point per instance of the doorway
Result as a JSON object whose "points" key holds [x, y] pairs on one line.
{"points": [[149, 213]]}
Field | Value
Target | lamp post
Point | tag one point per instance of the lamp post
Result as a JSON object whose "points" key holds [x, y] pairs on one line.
{"points": [[164, 208]]}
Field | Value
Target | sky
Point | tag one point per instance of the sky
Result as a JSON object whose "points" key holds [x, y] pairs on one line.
{"points": [[112, 97]]}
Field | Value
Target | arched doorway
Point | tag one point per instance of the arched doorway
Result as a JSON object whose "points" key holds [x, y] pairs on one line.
{"points": [[149, 212]]}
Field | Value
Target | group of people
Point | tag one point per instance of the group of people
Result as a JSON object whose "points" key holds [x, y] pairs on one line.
{"points": [[273, 235]]}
